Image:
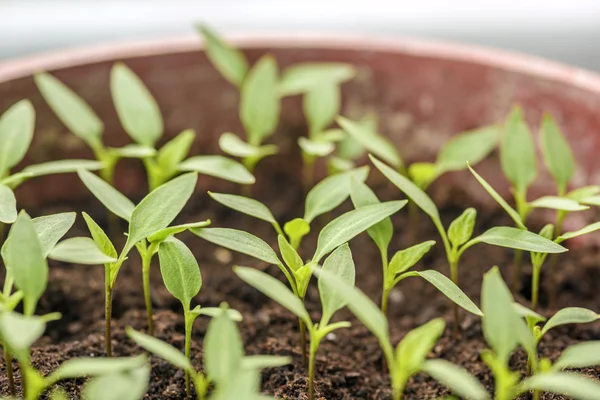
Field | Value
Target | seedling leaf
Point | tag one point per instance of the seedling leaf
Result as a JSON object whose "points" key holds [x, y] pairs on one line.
{"points": [[160, 349], [361, 195], [62, 167], [423, 173], [450, 290], [305, 77], [415, 346], [16, 131], [175, 150], [321, 104], [372, 141], [245, 205], [461, 228], [583, 231], [580, 355], [570, 315], [403, 260], [19, 332], [317, 148], [234, 315], [567, 384], [290, 256], [80, 250], [219, 167], [126, 385], [8, 205], [557, 203], [259, 362], [517, 152], [530, 315], [51, 228], [514, 238], [110, 197], [557, 153], [231, 144], [230, 62], [93, 366], [340, 264], [471, 146], [179, 270], [100, 237], [133, 150], [163, 234], [350, 224], [456, 378], [137, 110]]}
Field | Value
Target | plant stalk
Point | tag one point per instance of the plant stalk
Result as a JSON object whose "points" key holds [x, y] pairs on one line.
{"points": [[303, 341], [535, 286], [385, 294], [189, 324], [9, 373], [146, 260], [560, 218], [314, 345], [107, 173], [107, 312], [454, 277]]}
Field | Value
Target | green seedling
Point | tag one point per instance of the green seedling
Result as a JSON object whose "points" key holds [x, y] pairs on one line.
{"points": [[324, 197], [297, 272], [410, 356], [148, 228], [19, 332], [234, 375], [458, 238], [504, 330], [261, 89], [339, 263], [141, 119], [17, 125], [182, 278], [126, 384]]}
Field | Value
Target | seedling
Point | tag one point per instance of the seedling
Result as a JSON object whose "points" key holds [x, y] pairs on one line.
{"points": [[410, 356], [148, 228], [182, 278], [261, 90], [458, 238], [298, 273], [17, 125], [234, 375], [504, 330], [141, 118], [322, 198]]}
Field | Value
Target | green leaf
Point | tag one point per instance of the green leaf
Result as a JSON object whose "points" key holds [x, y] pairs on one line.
{"points": [[499, 316], [159, 208], [100, 237], [572, 385], [259, 100], [423, 173], [245, 205], [239, 241], [583, 231], [331, 192], [8, 205], [137, 110], [162, 235], [212, 312], [259, 362], [372, 141], [19, 332], [230, 62], [290, 256], [515, 238], [450, 290], [51, 228], [71, 109], [316, 148], [361, 306], [125, 385], [403, 260], [530, 315], [456, 378], [591, 201], [234, 146], [517, 152], [244, 384], [511, 211], [62, 167], [160, 349], [361, 195], [28, 265], [274, 289], [321, 104], [94, 366], [179, 270], [415, 346], [16, 179], [219, 167], [110, 197], [461, 229], [471, 146], [411, 190], [16, 131], [570, 315], [80, 250], [584, 192], [305, 77], [133, 150], [350, 224], [296, 228], [223, 350], [340, 264], [580, 355], [333, 135], [557, 153], [175, 150], [557, 203]]}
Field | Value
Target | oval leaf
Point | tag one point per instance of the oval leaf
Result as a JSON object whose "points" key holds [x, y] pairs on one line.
{"points": [[179, 270], [340, 264], [461, 228], [219, 167], [557, 203], [51, 228], [382, 232], [568, 384], [245, 205], [316, 148], [160, 349], [415, 346], [372, 141], [304, 77], [471, 146], [8, 205], [583, 231], [126, 385], [137, 110], [557, 153], [457, 379], [175, 150], [403, 260], [163, 234], [234, 146], [423, 173], [580, 355], [80, 250], [110, 197], [517, 152], [514, 238], [62, 167], [321, 104], [16, 131], [223, 351], [93, 366], [19, 332], [229, 61], [450, 290], [290, 256], [570, 315]]}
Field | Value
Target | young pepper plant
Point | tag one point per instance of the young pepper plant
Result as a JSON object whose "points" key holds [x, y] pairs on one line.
{"points": [[298, 273], [148, 224], [504, 330], [234, 375], [339, 263], [410, 356], [458, 238], [182, 278]]}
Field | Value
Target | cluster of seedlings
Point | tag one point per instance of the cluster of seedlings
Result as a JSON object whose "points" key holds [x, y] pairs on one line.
{"points": [[227, 373]]}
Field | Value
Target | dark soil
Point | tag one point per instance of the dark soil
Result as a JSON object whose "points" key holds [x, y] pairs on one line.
{"points": [[349, 362]]}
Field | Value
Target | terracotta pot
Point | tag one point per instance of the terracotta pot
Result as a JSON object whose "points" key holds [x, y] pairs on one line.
{"points": [[424, 92]]}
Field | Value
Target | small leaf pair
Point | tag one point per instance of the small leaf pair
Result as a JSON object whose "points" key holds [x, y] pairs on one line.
{"points": [[227, 368]]}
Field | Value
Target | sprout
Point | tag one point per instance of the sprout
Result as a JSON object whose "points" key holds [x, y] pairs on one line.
{"points": [[458, 237], [504, 330], [234, 375]]}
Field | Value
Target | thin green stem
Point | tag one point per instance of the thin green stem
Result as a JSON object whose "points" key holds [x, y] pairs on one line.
{"points": [[107, 173], [189, 324], [386, 289], [302, 329], [107, 312], [535, 285], [314, 346], [560, 218], [9, 372], [454, 277], [146, 260]]}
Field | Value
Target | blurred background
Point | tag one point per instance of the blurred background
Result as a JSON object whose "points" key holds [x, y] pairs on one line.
{"points": [[567, 31]]}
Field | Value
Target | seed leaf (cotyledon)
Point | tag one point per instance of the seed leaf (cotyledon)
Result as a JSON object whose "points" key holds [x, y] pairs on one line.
{"points": [[16, 132]]}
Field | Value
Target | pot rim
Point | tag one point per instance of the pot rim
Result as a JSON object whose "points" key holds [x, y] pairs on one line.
{"points": [[496, 58]]}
